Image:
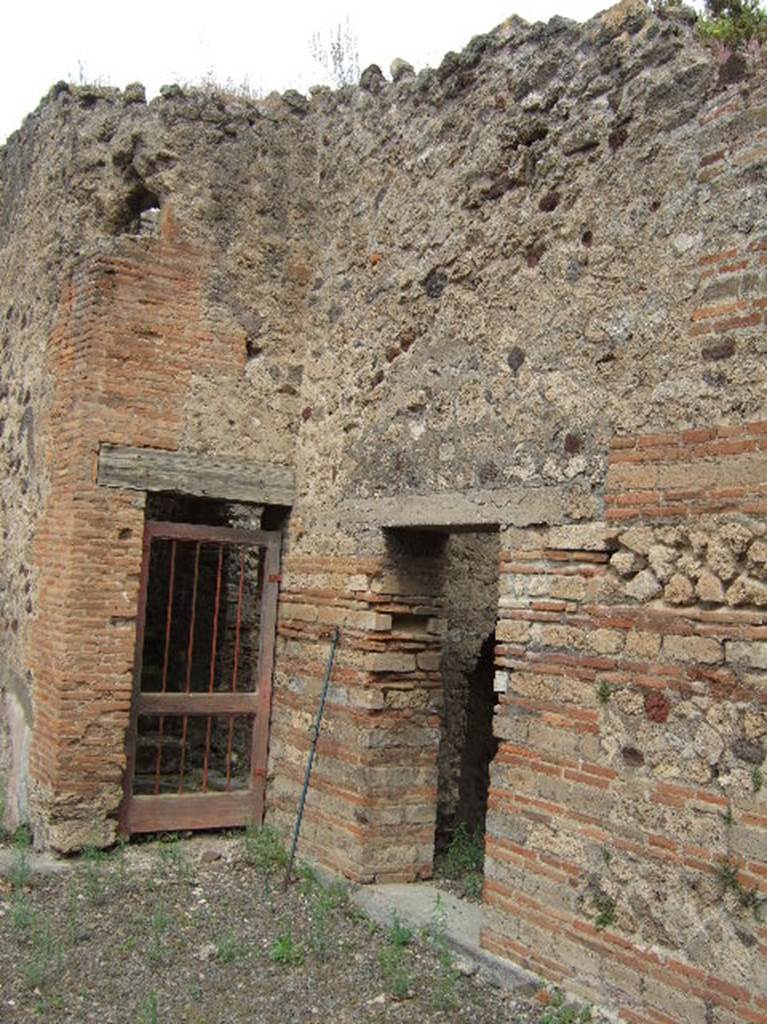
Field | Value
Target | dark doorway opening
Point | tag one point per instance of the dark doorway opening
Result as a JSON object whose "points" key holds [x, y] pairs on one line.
{"points": [[458, 567], [467, 744], [480, 745]]}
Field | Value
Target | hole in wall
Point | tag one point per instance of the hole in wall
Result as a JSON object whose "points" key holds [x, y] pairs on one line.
{"points": [[632, 757], [140, 213]]}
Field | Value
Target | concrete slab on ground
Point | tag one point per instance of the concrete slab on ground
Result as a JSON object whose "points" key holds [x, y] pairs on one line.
{"points": [[35, 864], [420, 904]]}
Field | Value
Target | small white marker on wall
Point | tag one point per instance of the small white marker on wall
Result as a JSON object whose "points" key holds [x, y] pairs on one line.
{"points": [[501, 682]]}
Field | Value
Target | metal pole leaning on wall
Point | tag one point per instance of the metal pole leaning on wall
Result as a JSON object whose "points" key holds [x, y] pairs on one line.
{"points": [[312, 752]]}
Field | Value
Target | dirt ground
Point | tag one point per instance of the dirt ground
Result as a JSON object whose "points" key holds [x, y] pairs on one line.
{"points": [[200, 932]]}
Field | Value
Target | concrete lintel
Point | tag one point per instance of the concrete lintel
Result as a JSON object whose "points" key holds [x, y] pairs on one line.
{"points": [[517, 506]]}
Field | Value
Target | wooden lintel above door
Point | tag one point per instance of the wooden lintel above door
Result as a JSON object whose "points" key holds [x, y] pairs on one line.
{"points": [[196, 473]]}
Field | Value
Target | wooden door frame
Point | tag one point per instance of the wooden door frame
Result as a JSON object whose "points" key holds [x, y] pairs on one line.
{"points": [[168, 812]]}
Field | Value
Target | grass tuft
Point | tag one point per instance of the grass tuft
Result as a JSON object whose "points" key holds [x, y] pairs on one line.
{"points": [[463, 861]]}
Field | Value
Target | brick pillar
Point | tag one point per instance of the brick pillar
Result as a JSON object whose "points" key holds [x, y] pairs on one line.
{"points": [[371, 809], [547, 772], [130, 330]]}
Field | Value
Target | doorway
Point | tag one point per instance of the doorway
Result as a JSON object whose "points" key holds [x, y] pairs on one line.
{"points": [[456, 569], [467, 744], [198, 739]]}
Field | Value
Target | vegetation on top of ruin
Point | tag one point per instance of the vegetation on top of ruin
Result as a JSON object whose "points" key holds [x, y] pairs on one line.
{"points": [[727, 26], [730, 23], [734, 22]]}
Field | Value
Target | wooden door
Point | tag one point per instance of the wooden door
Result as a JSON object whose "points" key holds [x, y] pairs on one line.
{"points": [[198, 740]]}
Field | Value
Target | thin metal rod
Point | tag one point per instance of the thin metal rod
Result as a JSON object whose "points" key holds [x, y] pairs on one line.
{"points": [[213, 643], [235, 666], [168, 623], [312, 752], [189, 654]]}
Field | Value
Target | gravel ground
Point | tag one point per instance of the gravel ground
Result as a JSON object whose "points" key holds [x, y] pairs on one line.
{"points": [[198, 931]]}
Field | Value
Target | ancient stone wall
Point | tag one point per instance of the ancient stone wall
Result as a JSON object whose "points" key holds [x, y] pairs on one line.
{"points": [[525, 291], [554, 240], [132, 318], [628, 808]]}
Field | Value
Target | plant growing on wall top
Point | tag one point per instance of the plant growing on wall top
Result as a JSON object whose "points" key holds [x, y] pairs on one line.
{"points": [[730, 23], [733, 23], [336, 54]]}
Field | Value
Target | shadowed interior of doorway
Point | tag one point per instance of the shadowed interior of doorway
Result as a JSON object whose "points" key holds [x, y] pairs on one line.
{"points": [[467, 744]]}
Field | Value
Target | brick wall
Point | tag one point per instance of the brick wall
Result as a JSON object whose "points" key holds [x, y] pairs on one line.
{"points": [[129, 335], [688, 473], [372, 805], [627, 830]]}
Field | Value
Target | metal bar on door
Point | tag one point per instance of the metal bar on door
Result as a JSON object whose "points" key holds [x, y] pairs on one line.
{"points": [[189, 655], [166, 653], [213, 645], [235, 667]]}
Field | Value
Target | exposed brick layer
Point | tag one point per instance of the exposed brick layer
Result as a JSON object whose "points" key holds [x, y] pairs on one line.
{"points": [[689, 472], [622, 793], [371, 810], [129, 331]]}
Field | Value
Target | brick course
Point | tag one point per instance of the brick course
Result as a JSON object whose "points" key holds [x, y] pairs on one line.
{"points": [[129, 332]]}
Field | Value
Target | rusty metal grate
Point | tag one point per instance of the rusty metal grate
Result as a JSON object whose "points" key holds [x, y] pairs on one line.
{"points": [[198, 741]]}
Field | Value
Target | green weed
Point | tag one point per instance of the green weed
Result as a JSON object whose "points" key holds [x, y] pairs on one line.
{"points": [[604, 692], [228, 948], [22, 914], [119, 863], [150, 1010], [44, 956], [4, 833], [95, 882], [463, 861], [33, 973], [264, 851], [72, 915], [396, 976], [326, 903], [757, 779], [158, 927], [20, 869], [308, 880], [605, 907], [285, 950], [399, 933], [444, 995], [559, 1011], [175, 861], [748, 898]]}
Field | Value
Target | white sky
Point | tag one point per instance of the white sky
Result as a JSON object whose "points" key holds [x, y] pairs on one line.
{"points": [[265, 44]]}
